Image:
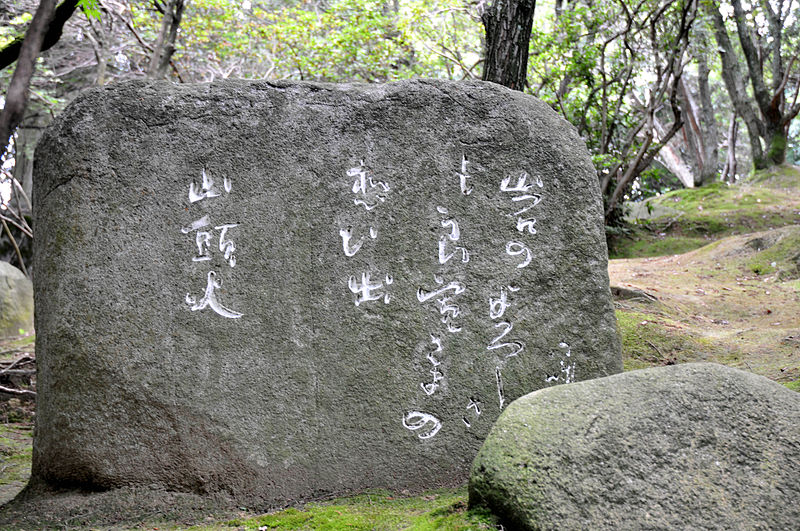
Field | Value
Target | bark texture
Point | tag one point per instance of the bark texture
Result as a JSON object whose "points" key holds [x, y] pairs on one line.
{"points": [[165, 43], [508, 26]]}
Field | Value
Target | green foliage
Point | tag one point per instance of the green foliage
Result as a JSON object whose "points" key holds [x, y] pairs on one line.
{"points": [[340, 40], [90, 8], [15, 29], [353, 40]]}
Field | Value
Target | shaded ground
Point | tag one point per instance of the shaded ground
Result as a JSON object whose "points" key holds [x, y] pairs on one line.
{"points": [[15, 459]]}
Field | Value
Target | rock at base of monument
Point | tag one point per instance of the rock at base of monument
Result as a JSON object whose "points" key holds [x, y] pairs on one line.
{"points": [[695, 446], [292, 290], [16, 301]]}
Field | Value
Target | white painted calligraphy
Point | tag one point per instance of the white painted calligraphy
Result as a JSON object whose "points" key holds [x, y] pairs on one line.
{"points": [[526, 224], [518, 248], [203, 240], [430, 388], [226, 246], [516, 346], [206, 189], [474, 405], [371, 193], [350, 249], [198, 224], [498, 377], [455, 234], [447, 309], [209, 299], [497, 307], [463, 176], [368, 290], [416, 420], [522, 186], [457, 287], [567, 369]]}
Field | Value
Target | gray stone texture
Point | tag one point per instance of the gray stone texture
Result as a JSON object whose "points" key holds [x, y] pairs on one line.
{"points": [[201, 249], [695, 446], [16, 301]]}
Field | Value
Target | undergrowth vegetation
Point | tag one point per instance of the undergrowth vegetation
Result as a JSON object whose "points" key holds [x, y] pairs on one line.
{"points": [[686, 219]]}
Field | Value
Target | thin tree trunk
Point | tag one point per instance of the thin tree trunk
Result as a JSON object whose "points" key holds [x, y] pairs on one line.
{"points": [[29, 130], [165, 42], [508, 26], [729, 172], [692, 134], [17, 95], [709, 131], [734, 83]]}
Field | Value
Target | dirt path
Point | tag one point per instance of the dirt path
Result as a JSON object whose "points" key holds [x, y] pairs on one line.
{"points": [[736, 302]]}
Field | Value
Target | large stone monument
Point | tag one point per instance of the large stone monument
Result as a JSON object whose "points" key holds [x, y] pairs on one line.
{"points": [[285, 291]]}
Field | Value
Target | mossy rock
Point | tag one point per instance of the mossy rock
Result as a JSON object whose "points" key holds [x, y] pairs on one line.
{"points": [[16, 301], [693, 446]]}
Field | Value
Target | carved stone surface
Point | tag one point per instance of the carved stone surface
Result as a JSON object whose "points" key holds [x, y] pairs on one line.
{"points": [[16, 301], [694, 446], [284, 291]]}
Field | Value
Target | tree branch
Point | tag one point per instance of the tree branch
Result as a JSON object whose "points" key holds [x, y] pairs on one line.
{"points": [[776, 98], [17, 95], [22, 393], [11, 52]]}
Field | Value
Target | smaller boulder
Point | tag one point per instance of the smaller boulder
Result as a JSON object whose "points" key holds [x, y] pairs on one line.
{"points": [[694, 446], [16, 301]]}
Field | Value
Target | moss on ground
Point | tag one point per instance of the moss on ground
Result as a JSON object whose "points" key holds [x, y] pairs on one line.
{"points": [[442, 509], [651, 338], [683, 220], [138, 508], [794, 386], [15, 458]]}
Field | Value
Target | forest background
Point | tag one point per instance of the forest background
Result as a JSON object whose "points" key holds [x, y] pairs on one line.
{"points": [[666, 94]]}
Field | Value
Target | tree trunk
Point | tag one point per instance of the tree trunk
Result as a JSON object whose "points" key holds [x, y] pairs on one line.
{"points": [[708, 129], [774, 116], [165, 43], [693, 135], [28, 133], [734, 83], [17, 95], [729, 171], [508, 26]]}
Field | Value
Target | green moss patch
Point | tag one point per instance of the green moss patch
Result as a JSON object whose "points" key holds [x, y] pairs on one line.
{"points": [[442, 509], [15, 459], [794, 386], [650, 339], [686, 219]]}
